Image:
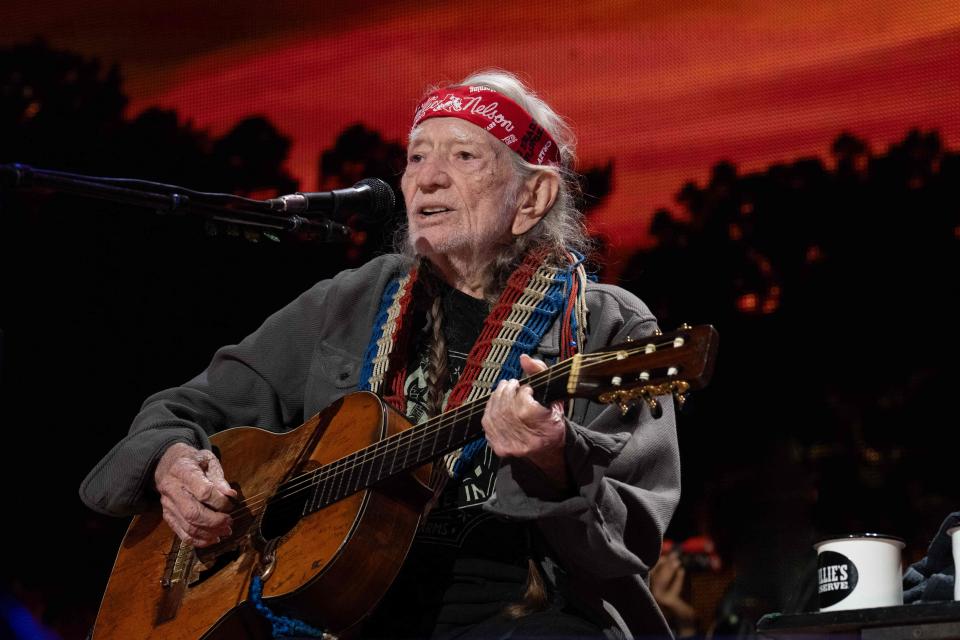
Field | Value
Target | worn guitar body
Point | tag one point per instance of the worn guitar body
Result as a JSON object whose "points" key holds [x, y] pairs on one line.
{"points": [[328, 567]]}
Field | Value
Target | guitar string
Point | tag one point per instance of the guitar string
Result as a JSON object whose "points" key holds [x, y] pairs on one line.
{"points": [[429, 428]]}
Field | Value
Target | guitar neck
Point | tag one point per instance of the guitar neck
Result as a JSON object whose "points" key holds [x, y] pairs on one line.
{"points": [[625, 374], [422, 443]]}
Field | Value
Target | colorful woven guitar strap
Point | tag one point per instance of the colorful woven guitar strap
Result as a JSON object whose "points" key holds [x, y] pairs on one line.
{"points": [[535, 295]]}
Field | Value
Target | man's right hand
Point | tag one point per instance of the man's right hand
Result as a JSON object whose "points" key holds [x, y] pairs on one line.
{"points": [[195, 496]]}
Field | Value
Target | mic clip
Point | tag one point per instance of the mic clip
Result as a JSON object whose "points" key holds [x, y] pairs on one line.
{"points": [[291, 203]]}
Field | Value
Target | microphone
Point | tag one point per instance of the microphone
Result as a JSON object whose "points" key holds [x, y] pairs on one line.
{"points": [[371, 198]]}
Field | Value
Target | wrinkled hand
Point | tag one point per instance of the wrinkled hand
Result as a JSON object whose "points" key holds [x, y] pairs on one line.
{"points": [[518, 426], [194, 494], [666, 584]]}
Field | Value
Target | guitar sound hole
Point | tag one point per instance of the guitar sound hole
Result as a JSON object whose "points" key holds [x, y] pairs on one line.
{"points": [[284, 510]]}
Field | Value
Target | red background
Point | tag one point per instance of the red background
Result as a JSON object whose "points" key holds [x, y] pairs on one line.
{"points": [[664, 89]]}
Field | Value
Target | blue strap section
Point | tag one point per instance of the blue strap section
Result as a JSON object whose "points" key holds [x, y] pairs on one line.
{"points": [[573, 330], [580, 259], [282, 626], [378, 324], [527, 340], [570, 311]]}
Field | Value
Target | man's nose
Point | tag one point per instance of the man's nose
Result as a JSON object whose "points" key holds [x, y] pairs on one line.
{"points": [[432, 174]]}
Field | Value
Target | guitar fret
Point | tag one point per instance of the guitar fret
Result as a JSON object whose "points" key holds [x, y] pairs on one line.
{"points": [[406, 450], [343, 487], [397, 463], [368, 461], [393, 460], [327, 487], [377, 459], [450, 430], [387, 465], [351, 485], [416, 439], [363, 472], [461, 426], [338, 474], [311, 505], [381, 455], [423, 438]]}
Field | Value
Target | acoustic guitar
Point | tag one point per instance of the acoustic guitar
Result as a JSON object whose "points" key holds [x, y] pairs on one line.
{"points": [[326, 513]]}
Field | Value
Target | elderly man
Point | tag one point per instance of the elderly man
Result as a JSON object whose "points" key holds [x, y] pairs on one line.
{"points": [[549, 524]]}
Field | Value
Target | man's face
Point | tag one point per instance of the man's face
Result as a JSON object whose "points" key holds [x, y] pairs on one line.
{"points": [[459, 190]]}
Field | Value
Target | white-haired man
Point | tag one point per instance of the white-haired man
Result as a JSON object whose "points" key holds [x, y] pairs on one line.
{"points": [[548, 525]]}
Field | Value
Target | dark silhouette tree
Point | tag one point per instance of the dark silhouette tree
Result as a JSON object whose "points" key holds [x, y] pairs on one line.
{"points": [[57, 107], [251, 156]]}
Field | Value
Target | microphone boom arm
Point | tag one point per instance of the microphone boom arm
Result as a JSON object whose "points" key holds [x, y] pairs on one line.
{"points": [[172, 199]]}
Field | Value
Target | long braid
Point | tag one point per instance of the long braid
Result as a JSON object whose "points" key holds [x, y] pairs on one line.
{"points": [[437, 374], [535, 595]]}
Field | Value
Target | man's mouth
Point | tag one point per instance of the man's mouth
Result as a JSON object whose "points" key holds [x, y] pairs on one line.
{"points": [[429, 211]]}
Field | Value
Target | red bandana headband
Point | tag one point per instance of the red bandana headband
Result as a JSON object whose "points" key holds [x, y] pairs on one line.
{"points": [[496, 113]]}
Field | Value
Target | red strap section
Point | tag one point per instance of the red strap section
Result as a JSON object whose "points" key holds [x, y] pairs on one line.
{"points": [[397, 364], [491, 327]]}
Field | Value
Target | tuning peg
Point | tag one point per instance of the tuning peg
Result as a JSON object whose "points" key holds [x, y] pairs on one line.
{"points": [[679, 398], [655, 409]]}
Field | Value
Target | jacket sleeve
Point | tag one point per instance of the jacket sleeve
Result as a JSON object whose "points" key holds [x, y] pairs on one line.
{"points": [[626, 471], [259, 382]]}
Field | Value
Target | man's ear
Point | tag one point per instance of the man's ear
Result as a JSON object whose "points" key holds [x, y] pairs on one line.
{"points": [[537, 196]]}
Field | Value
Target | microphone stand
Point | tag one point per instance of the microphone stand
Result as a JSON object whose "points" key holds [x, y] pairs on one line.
{"points": [[163, 198]]}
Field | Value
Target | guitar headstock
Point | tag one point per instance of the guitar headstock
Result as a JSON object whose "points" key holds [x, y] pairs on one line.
{"points": [[639, 370]]}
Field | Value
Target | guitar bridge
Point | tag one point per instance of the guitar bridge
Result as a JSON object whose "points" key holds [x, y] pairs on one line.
{"points": [[180, 563]]}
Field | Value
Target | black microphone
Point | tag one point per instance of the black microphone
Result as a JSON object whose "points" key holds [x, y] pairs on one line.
{"points": [[371, 198]]}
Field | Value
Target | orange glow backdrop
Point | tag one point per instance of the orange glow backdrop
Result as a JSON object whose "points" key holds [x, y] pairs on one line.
{"points": [[664, 89]]}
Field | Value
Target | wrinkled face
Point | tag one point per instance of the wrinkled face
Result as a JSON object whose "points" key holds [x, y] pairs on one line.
{"points": [[459, 189]]}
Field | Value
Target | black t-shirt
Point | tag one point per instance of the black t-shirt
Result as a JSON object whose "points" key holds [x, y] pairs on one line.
{"points": [[465, 564]]}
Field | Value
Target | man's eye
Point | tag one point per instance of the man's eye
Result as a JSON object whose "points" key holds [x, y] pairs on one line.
{"points": [[415, 157], [465, 155]]}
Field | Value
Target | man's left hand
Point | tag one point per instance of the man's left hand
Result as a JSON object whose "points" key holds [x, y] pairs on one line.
{"points": [[518, 426]]}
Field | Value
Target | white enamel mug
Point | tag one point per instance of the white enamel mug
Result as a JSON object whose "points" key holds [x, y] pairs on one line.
{"points": [[859, 571], [954, 533]]}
